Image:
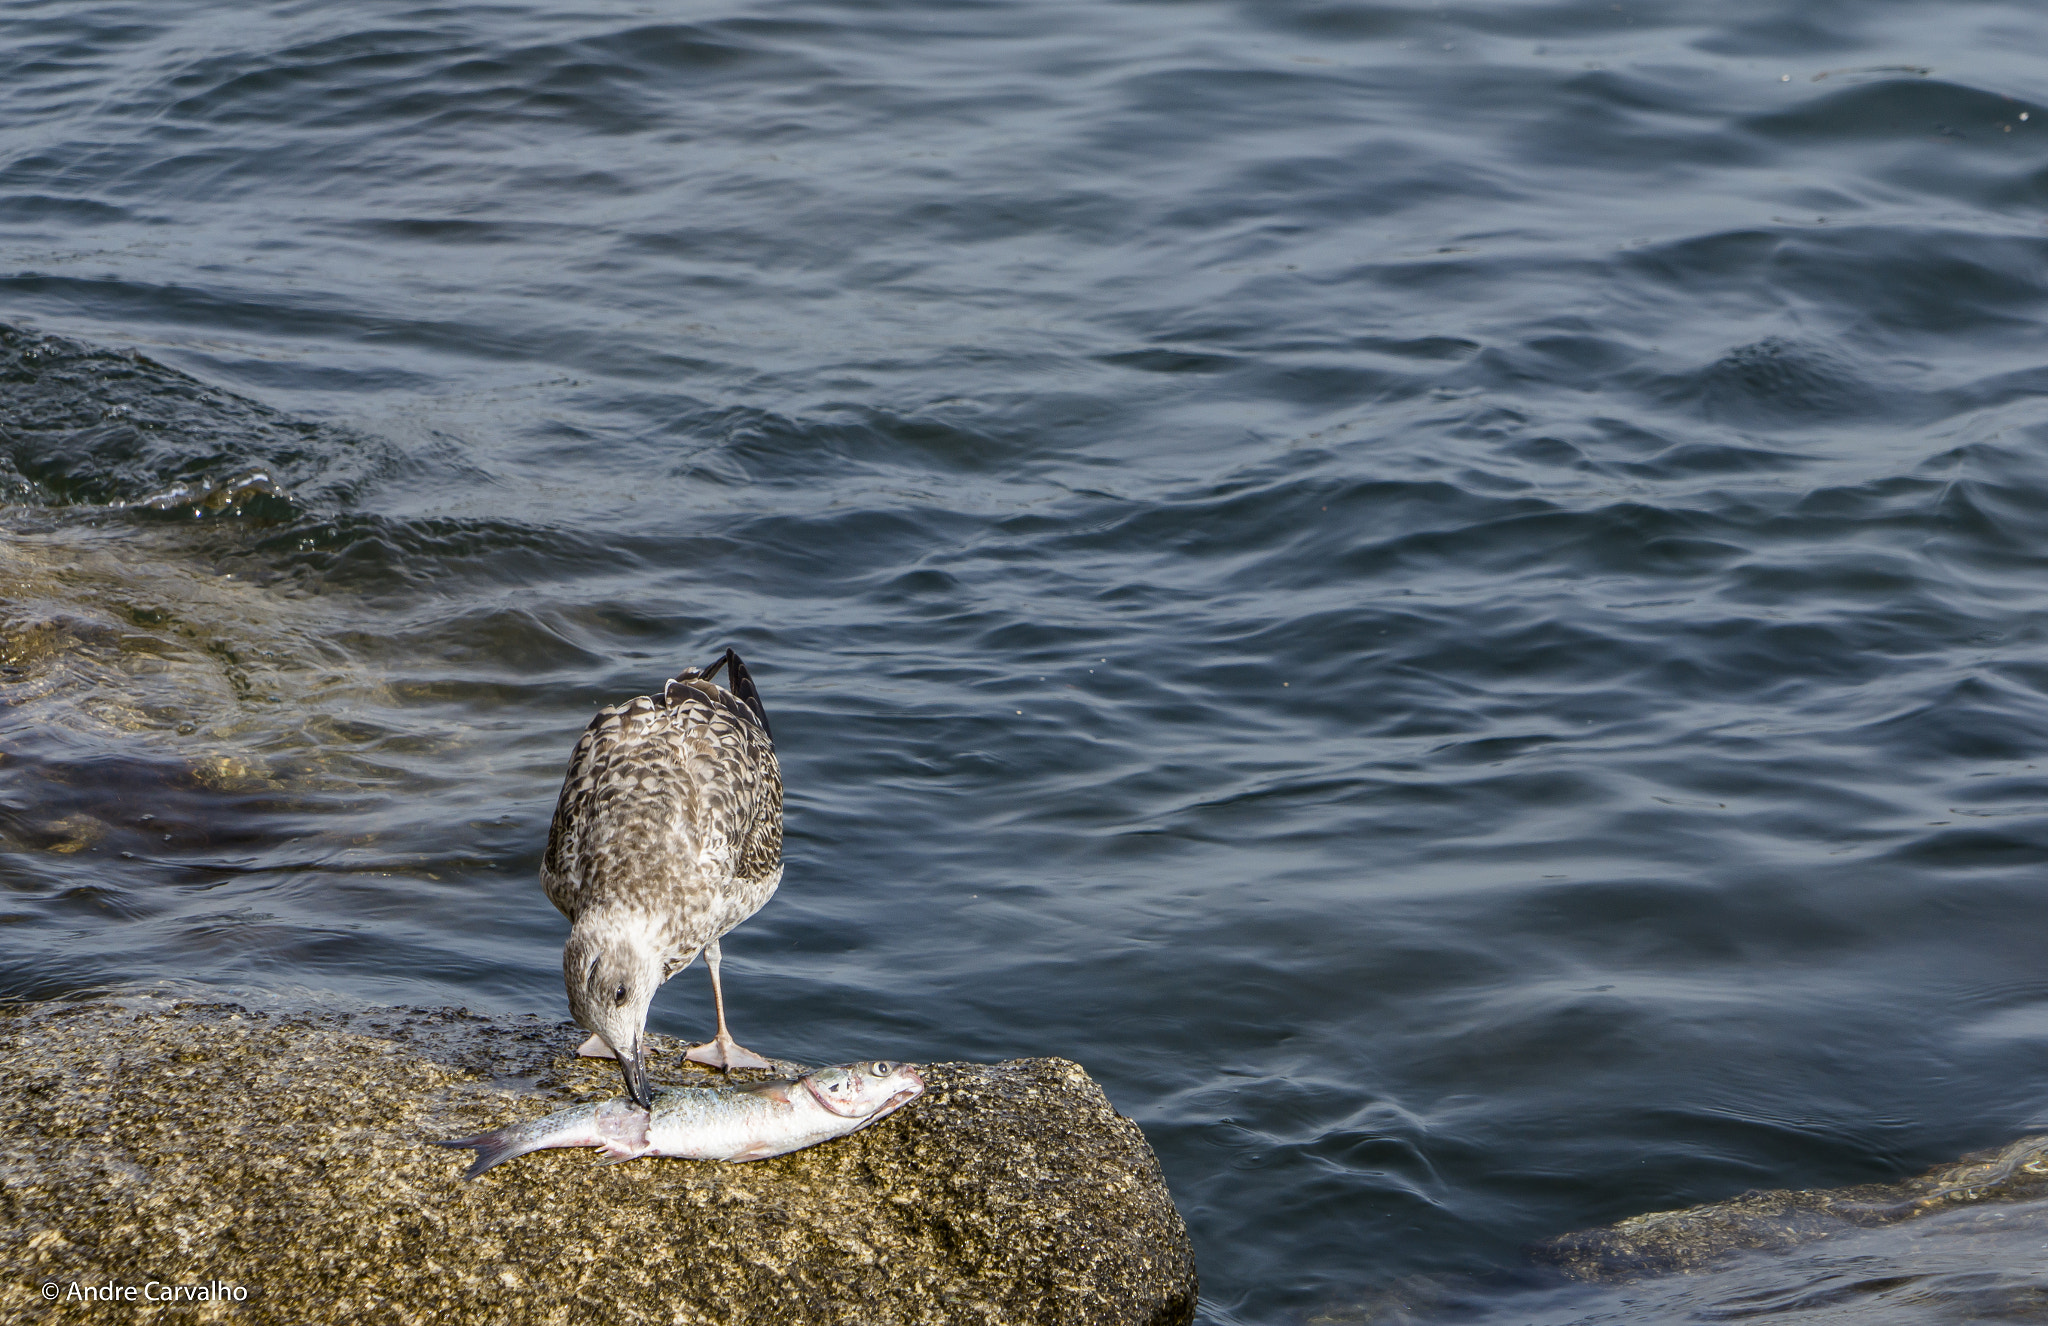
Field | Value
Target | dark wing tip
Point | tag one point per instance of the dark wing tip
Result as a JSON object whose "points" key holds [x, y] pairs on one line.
{"points": [[739, 683], [743, 686]]}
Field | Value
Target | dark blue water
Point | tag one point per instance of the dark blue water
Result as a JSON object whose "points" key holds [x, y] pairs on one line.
{"points": [[1450, 597]]}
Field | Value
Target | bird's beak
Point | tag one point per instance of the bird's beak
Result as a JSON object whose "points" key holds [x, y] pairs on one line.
{"points": [[635, 1069]]}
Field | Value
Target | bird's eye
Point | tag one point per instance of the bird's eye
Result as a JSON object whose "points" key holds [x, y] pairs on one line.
{"points": [[619, 995], [881, 1068]]}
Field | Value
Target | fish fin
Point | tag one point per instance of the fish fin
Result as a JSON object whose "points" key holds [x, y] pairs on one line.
{"points": [[620, 1156], [595, 1048], [756, 1151], [491, 1149]]}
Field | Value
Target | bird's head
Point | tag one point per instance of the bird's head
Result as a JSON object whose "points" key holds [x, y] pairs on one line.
{"points": [[612, 973]]}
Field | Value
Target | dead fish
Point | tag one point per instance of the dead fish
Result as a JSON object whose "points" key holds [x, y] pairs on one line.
{"points": [[750, 1122]]}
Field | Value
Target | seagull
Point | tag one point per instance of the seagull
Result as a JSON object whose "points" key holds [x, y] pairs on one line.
{"points": [[668, 834]]}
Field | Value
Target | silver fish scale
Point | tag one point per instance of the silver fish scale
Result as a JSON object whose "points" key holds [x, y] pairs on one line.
{"points": [[671, 811]]}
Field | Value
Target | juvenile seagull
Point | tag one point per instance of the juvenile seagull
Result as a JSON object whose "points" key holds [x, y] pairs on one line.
{"points": [[668, 834]]}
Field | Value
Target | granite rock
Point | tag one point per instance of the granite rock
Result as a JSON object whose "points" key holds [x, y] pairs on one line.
{"points": [[1999, 1185], [281, 1160]]}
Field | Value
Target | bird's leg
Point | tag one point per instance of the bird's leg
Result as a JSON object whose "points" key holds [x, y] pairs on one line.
{"points": [[722, 1051]]}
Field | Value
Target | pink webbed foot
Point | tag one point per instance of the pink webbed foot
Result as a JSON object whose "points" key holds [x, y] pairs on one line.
{"points": [[725, 1053], [595, 1048]]}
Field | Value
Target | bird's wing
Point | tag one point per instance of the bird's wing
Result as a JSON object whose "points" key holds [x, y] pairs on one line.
{"points": [[664, 802]]}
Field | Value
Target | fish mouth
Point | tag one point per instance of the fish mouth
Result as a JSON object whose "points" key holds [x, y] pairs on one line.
{"points": [[903, 1097], [909, 1093]]}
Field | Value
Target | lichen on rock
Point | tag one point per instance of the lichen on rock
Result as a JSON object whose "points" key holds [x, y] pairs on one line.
{"points": [[1778, 1220], [190, 1143]]}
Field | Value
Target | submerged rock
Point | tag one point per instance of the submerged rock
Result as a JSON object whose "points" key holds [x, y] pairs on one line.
{"points": [[1991, 1188], [285, 1157], [92, 426]]}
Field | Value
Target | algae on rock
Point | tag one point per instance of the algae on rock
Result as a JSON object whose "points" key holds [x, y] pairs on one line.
{"points": [[2010, 1179], [188, 1143]]}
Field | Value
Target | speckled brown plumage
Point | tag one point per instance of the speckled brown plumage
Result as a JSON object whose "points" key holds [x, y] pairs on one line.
{"points": [[668, 834], [672, 806]]}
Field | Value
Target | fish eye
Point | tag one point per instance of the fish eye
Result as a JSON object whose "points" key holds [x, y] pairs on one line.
{"points": [[619, 995], [881, 1068]]}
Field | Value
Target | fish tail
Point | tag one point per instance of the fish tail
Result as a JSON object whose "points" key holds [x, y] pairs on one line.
{"points": [[614, 1123], [493, 1148]]}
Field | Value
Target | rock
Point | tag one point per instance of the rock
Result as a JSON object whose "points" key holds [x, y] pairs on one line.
{"points": [[2007, 1182], [92, 426], [284, 1157]]}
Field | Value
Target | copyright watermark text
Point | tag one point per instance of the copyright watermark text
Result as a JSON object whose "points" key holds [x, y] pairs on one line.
{"points": [[149, 1291]]}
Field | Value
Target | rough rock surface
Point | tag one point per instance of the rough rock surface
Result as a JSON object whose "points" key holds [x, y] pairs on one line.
{"points": [[2007, 1181], [149, 1139]]}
